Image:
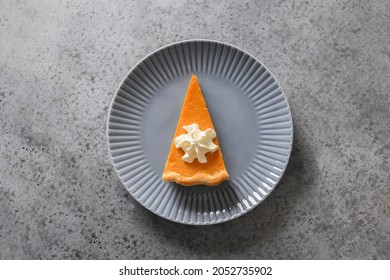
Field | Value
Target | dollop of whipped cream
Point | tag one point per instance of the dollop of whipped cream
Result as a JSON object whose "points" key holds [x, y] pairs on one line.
{"points": [[196, 143]]}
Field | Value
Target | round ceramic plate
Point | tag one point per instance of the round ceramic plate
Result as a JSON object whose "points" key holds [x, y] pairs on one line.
{"points": [[250, 113]]}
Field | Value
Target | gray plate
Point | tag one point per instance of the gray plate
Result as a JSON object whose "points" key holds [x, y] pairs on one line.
{"points": [[251, 117]]}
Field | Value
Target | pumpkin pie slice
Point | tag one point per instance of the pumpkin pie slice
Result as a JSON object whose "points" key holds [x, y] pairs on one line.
{"points": [[195, 156]]}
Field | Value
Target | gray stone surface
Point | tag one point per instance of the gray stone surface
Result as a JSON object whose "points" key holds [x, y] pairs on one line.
{"points": [[60, 63]]}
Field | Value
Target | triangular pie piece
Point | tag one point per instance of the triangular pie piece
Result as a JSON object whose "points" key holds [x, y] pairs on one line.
{"points": [[213, 172]]}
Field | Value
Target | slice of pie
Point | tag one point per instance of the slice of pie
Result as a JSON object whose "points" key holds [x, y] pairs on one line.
{"points": [[195, 156]]}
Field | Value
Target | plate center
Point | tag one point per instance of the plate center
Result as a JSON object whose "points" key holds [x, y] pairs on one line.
{"points": [[232, 114]]}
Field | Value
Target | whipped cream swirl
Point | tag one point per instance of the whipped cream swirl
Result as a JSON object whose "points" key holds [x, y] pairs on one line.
{"points": [[196, 143]]}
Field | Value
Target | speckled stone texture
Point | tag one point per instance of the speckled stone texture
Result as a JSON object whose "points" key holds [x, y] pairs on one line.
{"points": [[60, 64]]}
